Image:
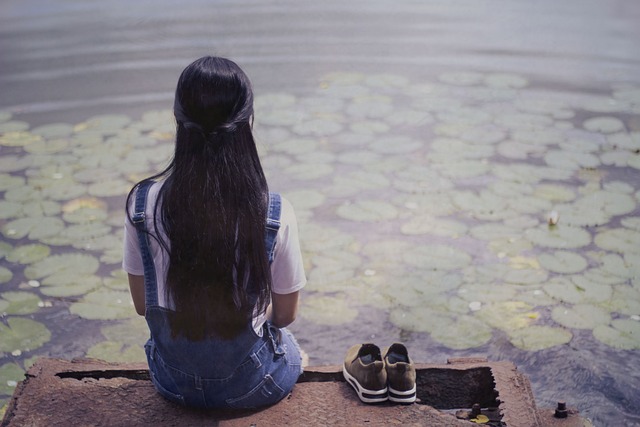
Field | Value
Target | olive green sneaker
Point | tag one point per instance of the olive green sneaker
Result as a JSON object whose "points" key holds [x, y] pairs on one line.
{"points": [[401, 374], [364, 370]]}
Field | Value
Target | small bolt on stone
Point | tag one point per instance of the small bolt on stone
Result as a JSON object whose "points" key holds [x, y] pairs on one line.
{"points": [[561, 410]]}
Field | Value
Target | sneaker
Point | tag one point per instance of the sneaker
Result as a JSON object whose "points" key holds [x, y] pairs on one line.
{"points": [[364, 369], [401, 374]]}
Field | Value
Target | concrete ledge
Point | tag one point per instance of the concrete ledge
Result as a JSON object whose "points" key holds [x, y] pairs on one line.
{"points": [[91, 392]]}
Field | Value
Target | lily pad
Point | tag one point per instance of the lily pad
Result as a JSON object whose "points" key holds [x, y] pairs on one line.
{"points": [[395, 145], [20, 302], [563, 262], [308, 171], [437, 257], [27, 254], [485, 293], [66, 265], [420, 319], [22, 334], [577, 290], [535, 338], [507, 315], [328, 310], [53, 130], [463, 333], [604, 124], [10, 375], [461, 78], [104, 304], [504, 80], [33, 228], [622, 334], [621, 240], [558, 236], [580, 316], [367, 211], [67, 285], [5, 275], [116, 352], [10, 210], [427, 224]]}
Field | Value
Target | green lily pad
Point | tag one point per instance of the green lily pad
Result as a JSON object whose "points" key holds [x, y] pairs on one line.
{"points": [[459, 169], [563, 262], [10, 182], [558, 236], [10, 375], [622, 334], [395, 145], [17, 138], [69, 284], [420, 319], [104, 123], [330, 278], [580, 316], [33, 228], [437, 257], [370, 106], [484, 206], [461, 78], [116, 352], [535, 338], [526, 276], [328, 310], [22, 334], [577, 290], [386, 81], [40, 208], [463, 333], [486, 293], [326, 126], [427, 224], [53, 130], [104, 304], [66, 265], [367, 211], [5, 249], [625, 299], [20, 302], [603, 124], [507, 315], [305, 199], [621, 240], [571, 160], [509, 247], [10, 210], [308, 171], [505, 80], [369, 127], [554, 192], [5, 275], [27, 254]]}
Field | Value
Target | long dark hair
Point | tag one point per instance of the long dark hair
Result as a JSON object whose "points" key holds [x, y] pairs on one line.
{"points": [[213, 205]]}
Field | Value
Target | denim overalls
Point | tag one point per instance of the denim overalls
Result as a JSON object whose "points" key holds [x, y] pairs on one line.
{"points": [[248, 371]]}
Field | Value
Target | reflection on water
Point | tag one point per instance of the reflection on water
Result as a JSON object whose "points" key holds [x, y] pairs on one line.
{"points": [[426, 149]]}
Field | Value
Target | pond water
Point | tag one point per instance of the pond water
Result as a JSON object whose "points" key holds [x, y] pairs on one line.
{"points": [[466, 175]]}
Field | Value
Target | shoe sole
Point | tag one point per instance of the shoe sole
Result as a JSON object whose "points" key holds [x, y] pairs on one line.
{"points": [[397, 396], [365, 395]]}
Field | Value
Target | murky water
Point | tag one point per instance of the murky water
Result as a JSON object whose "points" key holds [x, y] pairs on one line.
{"points": [[424, 146]]}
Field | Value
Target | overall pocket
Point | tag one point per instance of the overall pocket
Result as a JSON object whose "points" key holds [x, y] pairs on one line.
{"points": [[265, 393]]}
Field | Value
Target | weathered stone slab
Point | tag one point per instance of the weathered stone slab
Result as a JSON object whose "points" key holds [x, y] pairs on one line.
{"points": [[95, 393]]}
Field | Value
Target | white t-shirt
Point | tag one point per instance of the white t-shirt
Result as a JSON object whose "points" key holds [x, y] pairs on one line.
{"points": [[287, 270]]}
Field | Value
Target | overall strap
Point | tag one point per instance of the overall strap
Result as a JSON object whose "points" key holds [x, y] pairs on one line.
{"points": [[138, 219], [273, 224]]}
